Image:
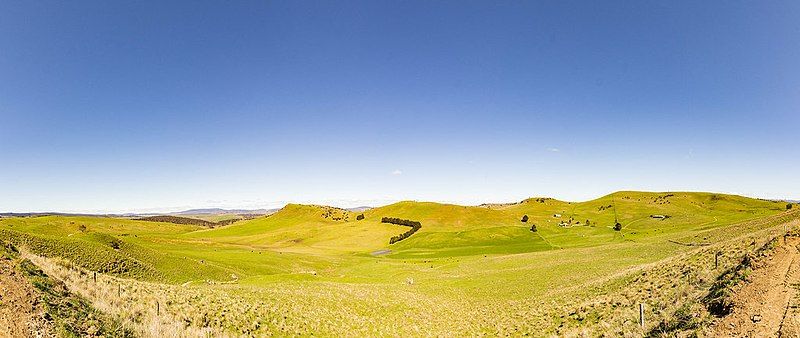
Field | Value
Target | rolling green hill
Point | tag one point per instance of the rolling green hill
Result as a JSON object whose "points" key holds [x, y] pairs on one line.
{"points": [[465, 261]]}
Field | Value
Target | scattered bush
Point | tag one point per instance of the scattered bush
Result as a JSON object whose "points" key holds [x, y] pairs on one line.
{"points": [[788, 206], [617, 227], [533, 228], [82, 228], [359, 217], [336, 214], [524, 218]]}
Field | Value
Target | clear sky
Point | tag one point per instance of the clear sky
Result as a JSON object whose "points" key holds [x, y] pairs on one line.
{"points": [[119, 106]]}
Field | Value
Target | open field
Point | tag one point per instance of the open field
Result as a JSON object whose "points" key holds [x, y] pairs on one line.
{"points": [[468, 270]]}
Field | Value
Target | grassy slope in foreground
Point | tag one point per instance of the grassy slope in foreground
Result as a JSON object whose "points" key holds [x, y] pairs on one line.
{"points": [[463, 257]]}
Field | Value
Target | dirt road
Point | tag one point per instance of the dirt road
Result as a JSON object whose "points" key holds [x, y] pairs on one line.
{"points": [[21, 314], [766, 305]]}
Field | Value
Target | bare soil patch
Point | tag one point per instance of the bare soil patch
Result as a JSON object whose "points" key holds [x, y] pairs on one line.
{"points": [[766, 304], [21, 313]]}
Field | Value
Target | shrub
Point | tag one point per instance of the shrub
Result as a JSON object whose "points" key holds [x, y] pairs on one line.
{"points": [[524, 218], [533, 228], [359, 217], [788, 206], [617, 227], [115, 244]]}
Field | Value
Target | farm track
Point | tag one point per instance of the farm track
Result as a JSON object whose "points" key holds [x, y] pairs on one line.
{"points": [[766, 306], [21, 313]]}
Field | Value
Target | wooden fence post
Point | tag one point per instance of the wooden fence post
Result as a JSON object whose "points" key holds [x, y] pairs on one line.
{"points": [[158, 309], [95, 276], [716, 260], [641, 315]]}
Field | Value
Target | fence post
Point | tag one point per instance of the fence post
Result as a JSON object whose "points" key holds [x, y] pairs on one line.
{"points": [[641, 315], [716, 260], [95, 276], [158, 309]]}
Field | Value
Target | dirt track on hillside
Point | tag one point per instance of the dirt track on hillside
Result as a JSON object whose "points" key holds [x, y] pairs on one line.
{"points": [[766, 305], [21, 313]]}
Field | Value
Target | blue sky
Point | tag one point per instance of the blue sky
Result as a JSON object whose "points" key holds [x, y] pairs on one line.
{"points": [[153, 105]]}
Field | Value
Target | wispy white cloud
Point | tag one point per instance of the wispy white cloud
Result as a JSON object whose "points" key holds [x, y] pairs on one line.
{"points": [[553, 150], [397, 172]]}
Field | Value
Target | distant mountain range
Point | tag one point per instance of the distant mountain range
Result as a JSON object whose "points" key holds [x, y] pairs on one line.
{"points": [[219, 211], [204, 212], [358, 209]]}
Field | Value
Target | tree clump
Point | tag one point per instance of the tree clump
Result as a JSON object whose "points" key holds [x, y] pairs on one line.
{"points": [[617, 227], [359, 217], [415, 226], [524, 219], [788, 206]]}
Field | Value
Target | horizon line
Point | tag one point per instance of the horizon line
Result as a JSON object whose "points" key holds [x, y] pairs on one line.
{"points": [[277, 205]]}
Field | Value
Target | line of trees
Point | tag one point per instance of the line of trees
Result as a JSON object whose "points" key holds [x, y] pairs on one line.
{"points": [[187, 220], [415, 226]]}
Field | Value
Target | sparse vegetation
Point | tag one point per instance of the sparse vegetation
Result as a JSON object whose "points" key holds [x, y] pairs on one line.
{"points": [[524, 219], [71, 314]]}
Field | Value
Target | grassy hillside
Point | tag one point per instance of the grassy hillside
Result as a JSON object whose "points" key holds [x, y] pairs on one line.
{"points": [[469, 262]]}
